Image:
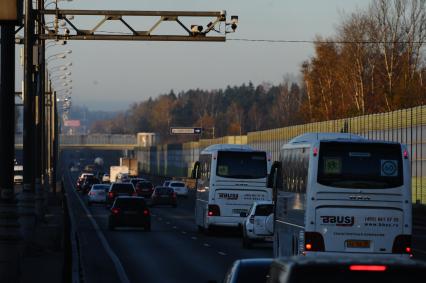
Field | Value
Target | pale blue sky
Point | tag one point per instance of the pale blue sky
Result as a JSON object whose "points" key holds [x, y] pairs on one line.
{"points": [[112, 75]]}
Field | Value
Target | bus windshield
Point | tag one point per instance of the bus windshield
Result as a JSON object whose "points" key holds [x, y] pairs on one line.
{"points": [[241, 165], [360, 165]]}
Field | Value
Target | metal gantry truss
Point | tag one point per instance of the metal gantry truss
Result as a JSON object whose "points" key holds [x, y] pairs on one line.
{"points": [[191, 33]]}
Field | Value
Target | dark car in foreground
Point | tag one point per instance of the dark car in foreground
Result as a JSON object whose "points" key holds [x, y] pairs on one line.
{"points": [[248, 270], [329, 269], [129, 212], [164, 195], [119, 189]]}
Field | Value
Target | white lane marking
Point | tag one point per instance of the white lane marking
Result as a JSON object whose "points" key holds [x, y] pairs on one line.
{"points": [[194, 238], [160, 219], [168, 223], [153, 214], [118, 266], [206, 245], [222, 253], [183, 232], [174, 227]]}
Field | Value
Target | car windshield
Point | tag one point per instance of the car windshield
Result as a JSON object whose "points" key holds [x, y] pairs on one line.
{"points": [[123, 188], [163, 191], [264, 210], [253, 273], [179, 185], [360, 165], [144, 185], [131, 203], [100, 187], [241, 165]]}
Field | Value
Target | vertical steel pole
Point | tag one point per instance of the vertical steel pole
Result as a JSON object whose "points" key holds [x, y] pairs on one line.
{"points": [[9, 227], [26, 201], [55, 141], [39, 119]]}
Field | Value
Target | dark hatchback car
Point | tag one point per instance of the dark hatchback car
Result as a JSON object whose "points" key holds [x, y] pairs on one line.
{"points": [[329, 269], [119, 189], [248, 270], [164, 195], [129, 212], [144, 189]]}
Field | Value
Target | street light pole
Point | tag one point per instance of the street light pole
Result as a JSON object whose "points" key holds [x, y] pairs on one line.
{"points": [[40, 95], [26, 201], [9, 227]]}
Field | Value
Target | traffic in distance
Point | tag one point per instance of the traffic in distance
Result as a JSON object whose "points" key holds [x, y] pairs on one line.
{"points": [[334, 207]]}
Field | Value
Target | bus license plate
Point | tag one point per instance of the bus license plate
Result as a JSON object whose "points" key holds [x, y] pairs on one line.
{"points": [[360, 244]]}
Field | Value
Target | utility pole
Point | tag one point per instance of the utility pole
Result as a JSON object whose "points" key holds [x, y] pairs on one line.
{"points": [[26, 201], [9, 227]]}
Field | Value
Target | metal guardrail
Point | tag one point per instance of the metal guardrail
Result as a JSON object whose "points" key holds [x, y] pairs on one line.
{"points": [[72, 263]]}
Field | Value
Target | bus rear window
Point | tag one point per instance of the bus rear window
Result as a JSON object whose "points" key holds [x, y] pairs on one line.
{"points": [[360, 165], [243, 165]]}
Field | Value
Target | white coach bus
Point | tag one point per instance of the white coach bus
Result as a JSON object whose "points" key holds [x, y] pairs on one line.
{"points": [[340, 193], [229, 179]]}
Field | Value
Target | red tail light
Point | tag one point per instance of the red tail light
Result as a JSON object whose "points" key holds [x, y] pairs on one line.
{"points": [[402, 244], [174, 195], [110, 195], [314, 242], [214, 210], [146, 212], [115, 211], [405, 154], [367, 267], [315, 151]]}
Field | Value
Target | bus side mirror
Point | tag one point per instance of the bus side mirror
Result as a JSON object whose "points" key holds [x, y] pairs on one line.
{"points": [[273, 178], [195, 174]]}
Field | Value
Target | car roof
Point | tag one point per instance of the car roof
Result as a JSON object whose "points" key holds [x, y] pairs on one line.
{"points": [[129, 197], [254, 261], [340, 260], [180, 182]]}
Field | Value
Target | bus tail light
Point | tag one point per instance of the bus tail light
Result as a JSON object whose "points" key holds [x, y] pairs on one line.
{"points": [[315, 151], [405, 154], [314, 242], [402, 244], [115, 211], [214, 210]]}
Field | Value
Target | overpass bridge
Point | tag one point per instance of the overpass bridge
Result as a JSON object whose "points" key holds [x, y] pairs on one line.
{"points": [[99, 141]]}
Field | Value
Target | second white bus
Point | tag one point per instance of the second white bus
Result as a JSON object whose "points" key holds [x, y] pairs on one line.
{"points": [[340, 193], [229, 179]]}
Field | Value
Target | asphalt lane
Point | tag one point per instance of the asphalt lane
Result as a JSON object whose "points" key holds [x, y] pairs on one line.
{"points": [[174, 251]]}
